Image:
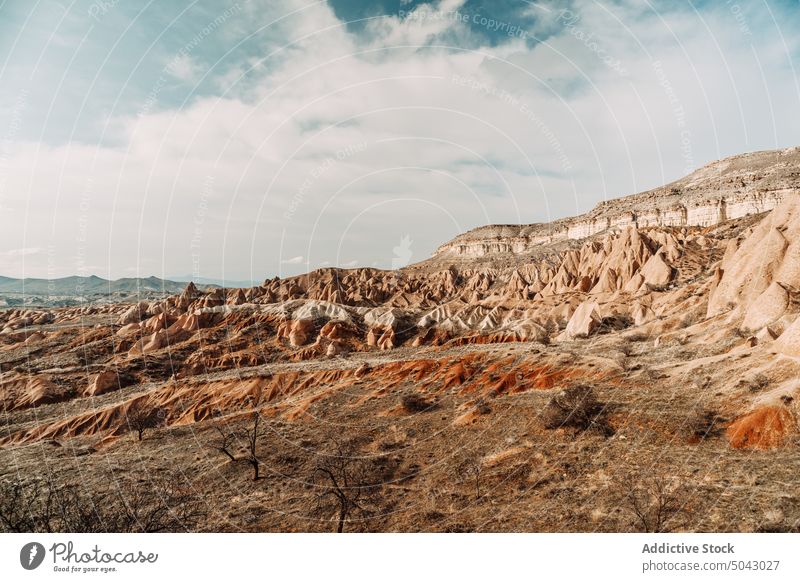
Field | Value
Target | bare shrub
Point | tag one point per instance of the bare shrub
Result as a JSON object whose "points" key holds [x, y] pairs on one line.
{"points": [[163, 504], [482, 407], [706, 424], [702, 383], [638, 337], [416, 403], [251, 440], [469, 471], [151, 505], [689, 320], [19, 505], [654, 498], [755, 383], [229, 442], [346, 485], [614, 323], [576, 407]]}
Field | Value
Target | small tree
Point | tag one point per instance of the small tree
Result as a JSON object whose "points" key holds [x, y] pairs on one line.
{"points": [[344, 485], [225, 442], [141, 418], [251, 438], [470, 469], [655, 499], [229, 440]]}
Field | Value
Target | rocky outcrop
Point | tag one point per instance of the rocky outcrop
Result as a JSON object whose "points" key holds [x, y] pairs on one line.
{"points": [[583, 322], [102, 383], [19, 391], [766, 262], [768, 308], [723, 190]]}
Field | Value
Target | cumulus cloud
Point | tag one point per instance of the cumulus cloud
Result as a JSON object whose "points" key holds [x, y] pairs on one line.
{"points": [[327, 143], [183, 68]]}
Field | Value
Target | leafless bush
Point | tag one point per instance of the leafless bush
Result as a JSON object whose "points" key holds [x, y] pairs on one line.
{"points": [[345, 485], [631, 365], [416, 403], [658, 288], [682, 340], [706, 424], [614, 323], [702, 383], [638, 337], [151, 505], [469, 471], [229, 441], [163, 504], [755, 383], [482, 407], [655, 499], [575, 407], [689, 320], [19, 505]]}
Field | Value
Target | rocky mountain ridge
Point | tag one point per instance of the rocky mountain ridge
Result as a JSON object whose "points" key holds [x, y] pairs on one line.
{"points": [[723, 190]]}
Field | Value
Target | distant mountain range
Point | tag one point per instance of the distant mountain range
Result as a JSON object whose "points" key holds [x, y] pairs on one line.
{"points": [[93, 285], [212, 282]]}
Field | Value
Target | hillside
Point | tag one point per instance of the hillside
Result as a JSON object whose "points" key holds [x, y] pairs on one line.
{"points": [[575, 384], [82, 286]]}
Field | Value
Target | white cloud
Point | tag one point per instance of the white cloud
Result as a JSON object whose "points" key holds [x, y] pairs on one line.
{"points": [[183, 68], [336, 145]]}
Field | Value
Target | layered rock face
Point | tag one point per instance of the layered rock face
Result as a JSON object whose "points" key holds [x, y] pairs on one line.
{"points": [[764, 265], [723, 190]]}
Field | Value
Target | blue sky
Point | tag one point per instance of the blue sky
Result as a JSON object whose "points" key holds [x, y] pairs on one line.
{"points": [[253, 138]]}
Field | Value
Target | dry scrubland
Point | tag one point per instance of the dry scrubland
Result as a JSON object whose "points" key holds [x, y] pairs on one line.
{"points": [[641, 379]]}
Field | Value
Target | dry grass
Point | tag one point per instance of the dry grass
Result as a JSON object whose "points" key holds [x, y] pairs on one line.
{"points": [[557, 479]]}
